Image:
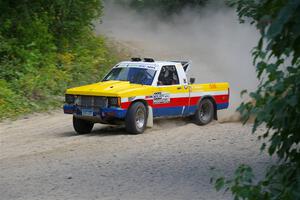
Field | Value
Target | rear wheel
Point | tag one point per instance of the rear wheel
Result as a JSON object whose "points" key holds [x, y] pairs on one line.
{"points": [[205, 112], [82, 126], [136, 118]]}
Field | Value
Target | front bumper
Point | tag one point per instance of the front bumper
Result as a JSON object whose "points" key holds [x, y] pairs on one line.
{"points": [[102, 113]]}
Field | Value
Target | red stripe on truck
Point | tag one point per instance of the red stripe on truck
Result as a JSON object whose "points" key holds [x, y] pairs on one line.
{"points": [[181, 101]]}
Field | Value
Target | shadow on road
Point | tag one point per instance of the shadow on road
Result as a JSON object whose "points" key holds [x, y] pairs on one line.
{"points": [[102, 131], [115, 130]]}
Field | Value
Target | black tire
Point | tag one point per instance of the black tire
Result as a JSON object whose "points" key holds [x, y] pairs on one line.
{"points": [[136, 118], [82, 126], [205, 112]]}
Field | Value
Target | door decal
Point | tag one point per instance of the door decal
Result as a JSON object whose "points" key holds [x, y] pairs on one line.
{"points": [[161, 98]]}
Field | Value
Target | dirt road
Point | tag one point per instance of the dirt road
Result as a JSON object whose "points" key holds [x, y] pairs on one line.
{"points": [[42, 158]]}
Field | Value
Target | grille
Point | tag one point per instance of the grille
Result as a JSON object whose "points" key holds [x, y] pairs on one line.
{"points": [[92, 102]]}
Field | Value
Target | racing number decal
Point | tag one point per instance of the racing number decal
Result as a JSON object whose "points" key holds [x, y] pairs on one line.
{"points": [[160, 98], [212, 86]]}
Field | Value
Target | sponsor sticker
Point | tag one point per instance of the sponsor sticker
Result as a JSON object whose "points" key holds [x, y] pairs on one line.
{"points": [[212, 86], [161, 98]]}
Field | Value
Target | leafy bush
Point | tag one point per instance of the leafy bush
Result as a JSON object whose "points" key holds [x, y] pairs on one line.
{"points": [[276, 103], [45, 47]]}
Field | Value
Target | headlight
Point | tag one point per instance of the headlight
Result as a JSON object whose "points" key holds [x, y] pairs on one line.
{"points": [[114, 101], [69, 99]]}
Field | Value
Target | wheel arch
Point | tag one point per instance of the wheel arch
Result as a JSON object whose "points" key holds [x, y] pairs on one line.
{"points": [[142, 101]]}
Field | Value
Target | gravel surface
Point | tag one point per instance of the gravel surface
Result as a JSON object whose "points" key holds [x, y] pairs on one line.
{"points": [[42, 158]]}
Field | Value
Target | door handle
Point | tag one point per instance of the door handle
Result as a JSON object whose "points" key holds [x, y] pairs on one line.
{"points": [[179, 88]]}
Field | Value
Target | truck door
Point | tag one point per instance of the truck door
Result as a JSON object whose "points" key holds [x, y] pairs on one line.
{"points": [[173, 96]]}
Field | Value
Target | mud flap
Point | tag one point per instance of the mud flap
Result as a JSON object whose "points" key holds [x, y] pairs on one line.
{"points": [[150, 117]]}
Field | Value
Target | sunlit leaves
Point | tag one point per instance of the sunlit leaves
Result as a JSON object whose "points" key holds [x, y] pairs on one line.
{"points": [[276, 102], [45, 47]]}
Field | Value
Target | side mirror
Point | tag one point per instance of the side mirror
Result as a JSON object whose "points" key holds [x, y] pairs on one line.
{"points": [[192, 80]]}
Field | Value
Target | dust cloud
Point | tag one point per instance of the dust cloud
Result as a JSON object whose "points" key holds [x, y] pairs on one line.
{"points": [[213, 39]]}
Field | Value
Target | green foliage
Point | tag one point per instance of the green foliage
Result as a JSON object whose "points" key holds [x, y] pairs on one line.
{"points": [[65, 20], [276, 103], [45, 47]]}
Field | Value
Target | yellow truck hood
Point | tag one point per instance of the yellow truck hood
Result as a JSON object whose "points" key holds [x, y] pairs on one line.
{"points": [[111, 89]]}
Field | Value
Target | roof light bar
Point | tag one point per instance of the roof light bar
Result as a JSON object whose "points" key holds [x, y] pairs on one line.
{"points": [[136, 59], [149, 60]]}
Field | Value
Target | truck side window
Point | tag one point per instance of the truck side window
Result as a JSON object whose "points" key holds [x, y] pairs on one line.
{"points": [[168, 76]]}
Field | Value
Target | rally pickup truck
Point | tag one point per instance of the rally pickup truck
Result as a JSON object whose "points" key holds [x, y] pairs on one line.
{"points": [[137, 91]]}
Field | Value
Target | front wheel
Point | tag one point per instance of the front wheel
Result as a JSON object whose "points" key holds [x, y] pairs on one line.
{"points": [[205, 112], [136, 118], [82, 126]]}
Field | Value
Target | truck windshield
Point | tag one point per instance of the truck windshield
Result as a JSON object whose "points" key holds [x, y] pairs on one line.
{"points": [[133, 75]]}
